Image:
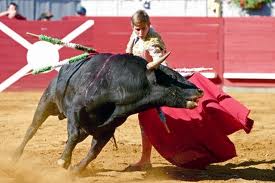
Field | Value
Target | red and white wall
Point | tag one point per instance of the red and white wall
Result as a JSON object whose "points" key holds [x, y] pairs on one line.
{"points": [[249, 52], [240, 50]]}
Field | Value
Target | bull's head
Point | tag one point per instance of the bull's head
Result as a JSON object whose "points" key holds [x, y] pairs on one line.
{"points": [[175, 90]]}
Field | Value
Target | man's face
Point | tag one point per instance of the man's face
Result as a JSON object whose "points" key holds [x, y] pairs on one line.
{"points": [[11, 7], [141, 30]]}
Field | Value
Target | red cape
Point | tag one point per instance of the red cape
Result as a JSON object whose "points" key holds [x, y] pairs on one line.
{"points": [[198, 136]]}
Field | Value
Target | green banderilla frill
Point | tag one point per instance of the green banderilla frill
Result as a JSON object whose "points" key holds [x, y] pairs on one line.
{"points": [[60, 42], [47, 69]]}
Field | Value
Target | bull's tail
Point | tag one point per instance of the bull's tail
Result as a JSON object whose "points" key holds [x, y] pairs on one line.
{"points": [[115, 144]]}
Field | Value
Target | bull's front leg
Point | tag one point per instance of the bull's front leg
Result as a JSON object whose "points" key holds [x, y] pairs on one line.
{"points": [[75, 135], [98, 142]]}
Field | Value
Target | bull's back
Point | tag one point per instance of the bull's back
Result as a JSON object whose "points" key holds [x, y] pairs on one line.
{"points": [[71, 74], [100, 67], [101, 73]]}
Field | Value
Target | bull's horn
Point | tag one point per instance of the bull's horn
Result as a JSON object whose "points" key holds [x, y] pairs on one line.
{"points": [[157, 62]]}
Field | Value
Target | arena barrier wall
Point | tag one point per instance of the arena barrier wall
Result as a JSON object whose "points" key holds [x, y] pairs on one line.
{"points": [[249, 52], [238, 49]]}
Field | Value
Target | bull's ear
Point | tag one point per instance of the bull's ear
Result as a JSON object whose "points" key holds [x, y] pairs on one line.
{"points": [[156, 63], [151, 76]]}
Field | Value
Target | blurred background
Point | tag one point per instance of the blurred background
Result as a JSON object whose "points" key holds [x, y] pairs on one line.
{"points": [[32, 9]]}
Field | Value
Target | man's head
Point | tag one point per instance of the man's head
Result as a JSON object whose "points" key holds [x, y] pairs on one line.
{"points": [[13, 6], [46, 16], [12, 10], [140, 23], [81, 11]]}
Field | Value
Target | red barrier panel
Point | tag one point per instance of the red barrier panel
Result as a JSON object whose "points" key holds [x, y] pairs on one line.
{"points": [[194, 42], [229, 46], [249, 51], [13, 54]]}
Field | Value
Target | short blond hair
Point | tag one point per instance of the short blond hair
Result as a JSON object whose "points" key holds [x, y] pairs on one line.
{"points": [[140, 17]]}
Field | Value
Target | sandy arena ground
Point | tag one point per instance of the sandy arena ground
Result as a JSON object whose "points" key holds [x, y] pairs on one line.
{"points": [[255, 161]]}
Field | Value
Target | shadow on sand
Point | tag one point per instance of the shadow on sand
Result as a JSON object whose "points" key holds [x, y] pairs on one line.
{"points": [[213, 172]]}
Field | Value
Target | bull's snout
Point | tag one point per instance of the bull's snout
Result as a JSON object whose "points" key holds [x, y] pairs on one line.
{"points": [[193, 102], [200, 93]]}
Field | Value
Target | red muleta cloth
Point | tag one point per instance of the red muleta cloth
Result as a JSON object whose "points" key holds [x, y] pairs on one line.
{"points": [[198, 136]]}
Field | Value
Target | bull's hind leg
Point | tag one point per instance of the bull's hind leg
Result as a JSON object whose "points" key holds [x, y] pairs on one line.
{"points": [[44, 109], [75, 136], [98, 142]]}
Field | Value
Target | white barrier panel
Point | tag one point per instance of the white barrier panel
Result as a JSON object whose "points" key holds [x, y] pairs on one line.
{"points": [[187, 71], [232, 75], [209, 75]]}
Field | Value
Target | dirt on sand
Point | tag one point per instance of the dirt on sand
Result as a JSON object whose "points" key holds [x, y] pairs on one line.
{"points": [[255, 161]]}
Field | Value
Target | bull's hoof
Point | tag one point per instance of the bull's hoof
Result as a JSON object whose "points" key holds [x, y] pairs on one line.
{"points": [[16, 155], [132, 168], [63, 163], [76, 170]]}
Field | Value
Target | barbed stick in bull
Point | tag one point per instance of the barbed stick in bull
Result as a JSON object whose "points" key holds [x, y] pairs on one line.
{"points": [[49, 68], [60, 42]]}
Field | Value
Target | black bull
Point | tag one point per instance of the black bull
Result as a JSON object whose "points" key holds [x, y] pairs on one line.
{"points": [[98, 95]]}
